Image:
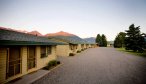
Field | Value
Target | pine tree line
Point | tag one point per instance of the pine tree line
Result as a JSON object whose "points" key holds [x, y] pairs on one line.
{"points": [[131, 39]]}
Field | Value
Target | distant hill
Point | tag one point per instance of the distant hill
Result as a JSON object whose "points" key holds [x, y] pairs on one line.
{"points": [[22, 31], [90, 39], [65, 36], [61, 33], [62, 36], [35, 33], [69, 39]]}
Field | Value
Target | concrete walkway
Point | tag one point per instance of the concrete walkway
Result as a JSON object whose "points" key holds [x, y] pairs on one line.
{"points": [[98, 66], [30, 78]]}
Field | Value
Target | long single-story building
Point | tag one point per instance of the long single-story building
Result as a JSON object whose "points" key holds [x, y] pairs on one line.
{"points": [[92, 45], [75, 44], [22, 53]]}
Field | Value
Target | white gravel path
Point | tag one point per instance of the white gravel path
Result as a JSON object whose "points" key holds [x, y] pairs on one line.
{"points": [[98, 66]]}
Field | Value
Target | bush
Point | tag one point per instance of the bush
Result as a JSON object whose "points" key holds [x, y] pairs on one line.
{"points": [[52, 64], [71, 54], [58, 62], [78, 51], [82, 49]]}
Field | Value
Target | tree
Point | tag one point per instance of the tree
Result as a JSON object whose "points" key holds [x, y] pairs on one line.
{"points": [[119, 40], [98, 39], [104, 41], [117, 43], [144, 35], [101, 40], [134, 39]]}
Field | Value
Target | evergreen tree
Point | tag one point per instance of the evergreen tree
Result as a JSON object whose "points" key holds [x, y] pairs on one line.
{"points": [[101, 40], [98, 39], [119, 40], [104, 41], [134, 39]]}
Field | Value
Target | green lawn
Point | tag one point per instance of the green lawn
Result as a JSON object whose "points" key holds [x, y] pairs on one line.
{"points": [[131, 52]]}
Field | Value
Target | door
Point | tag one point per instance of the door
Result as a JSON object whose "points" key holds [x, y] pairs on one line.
{"points": [[13, 61]]}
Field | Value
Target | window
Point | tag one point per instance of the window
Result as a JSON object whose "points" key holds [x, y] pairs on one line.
{"points": [[76, 46], [49, 51], [31, 59], [13, 61], [71, 47], [45, 51], [82, 46]]}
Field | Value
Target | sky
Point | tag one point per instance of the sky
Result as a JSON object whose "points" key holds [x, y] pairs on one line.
{"points": [[85, 18]]}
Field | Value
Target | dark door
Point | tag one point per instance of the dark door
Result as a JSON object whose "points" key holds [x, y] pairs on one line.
{"points": [[13, 61]]}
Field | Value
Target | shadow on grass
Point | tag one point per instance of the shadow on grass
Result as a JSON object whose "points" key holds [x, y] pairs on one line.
{"points": [[132, 52]]}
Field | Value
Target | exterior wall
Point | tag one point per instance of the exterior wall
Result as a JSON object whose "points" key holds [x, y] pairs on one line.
{"points": [[82, 46], [75, 48], [94, 45], [3, 58], [72, 48], [62, 50], [40, 62], [89, 45], [85, 47], [3, 54], [24, 59], [79, 47]]}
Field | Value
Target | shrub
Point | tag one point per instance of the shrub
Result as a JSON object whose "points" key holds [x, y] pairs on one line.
{"points": [[58, 62], [71, 54], [78, 51], [52, 64], [82, 49]]}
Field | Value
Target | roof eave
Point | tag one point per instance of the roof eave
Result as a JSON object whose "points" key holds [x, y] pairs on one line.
{"points": [[10, 42]]}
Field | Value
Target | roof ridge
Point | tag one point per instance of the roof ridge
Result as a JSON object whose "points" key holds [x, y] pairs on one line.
{"points": [[9, 35]]}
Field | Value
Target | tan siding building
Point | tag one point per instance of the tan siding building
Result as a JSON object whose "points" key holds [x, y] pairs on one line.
{"points": [[63, 50], [79, 47], [66, 50], [20, 56], [5, 61], [75, 44]]}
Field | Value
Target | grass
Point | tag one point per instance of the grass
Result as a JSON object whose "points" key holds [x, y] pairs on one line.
{"points": [[133, 53]]}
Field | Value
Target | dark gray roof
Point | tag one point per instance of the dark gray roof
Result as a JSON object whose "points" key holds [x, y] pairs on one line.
{"points": [[9, 37]]}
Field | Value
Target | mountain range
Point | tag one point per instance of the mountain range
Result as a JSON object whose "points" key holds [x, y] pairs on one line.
{"points": [[35, 33], [60, 34], [90, 39]]}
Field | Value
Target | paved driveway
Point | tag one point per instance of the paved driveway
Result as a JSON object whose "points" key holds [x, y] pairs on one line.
{"points": [[98, 66]]}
